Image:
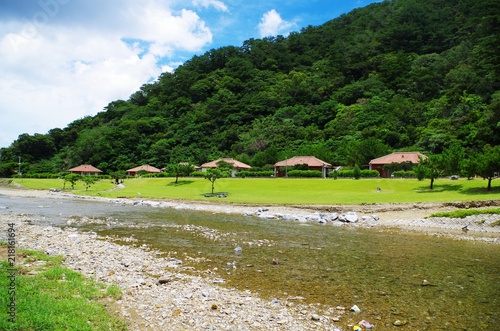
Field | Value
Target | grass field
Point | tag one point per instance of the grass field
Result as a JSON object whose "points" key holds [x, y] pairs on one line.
{"points": [[49, 296], [286, 190]]}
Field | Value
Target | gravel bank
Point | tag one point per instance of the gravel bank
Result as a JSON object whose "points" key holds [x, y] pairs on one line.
{"points": [[158, 294], [406, 217]]}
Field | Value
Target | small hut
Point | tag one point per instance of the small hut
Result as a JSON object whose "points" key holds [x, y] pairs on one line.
{"points": [[85, 170], [145, 167]]}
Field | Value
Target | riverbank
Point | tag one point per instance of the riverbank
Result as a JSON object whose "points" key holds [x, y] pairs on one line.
{"points": [[160, 293], [406, 217]]}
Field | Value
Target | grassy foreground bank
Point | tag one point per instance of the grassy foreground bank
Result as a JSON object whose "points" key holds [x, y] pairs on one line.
{"points": [[285, 190], [51, 297]]}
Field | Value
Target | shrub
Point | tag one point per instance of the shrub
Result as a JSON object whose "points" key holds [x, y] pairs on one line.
{"points": [[345, 173], [356, 172], [44, 175], [164, 174], [244, 174], [404, 174], [304, 173], [198, 174], [350, 173], [369, 173]]}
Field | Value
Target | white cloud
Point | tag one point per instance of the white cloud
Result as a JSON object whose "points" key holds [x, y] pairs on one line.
{"points": [[219, 5], [53, 73], [272, 24]]}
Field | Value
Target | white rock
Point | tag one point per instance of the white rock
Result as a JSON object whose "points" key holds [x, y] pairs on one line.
{"points": [[355, 309]]}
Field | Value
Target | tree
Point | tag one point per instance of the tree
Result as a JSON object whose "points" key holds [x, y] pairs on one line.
{"points": [[226, 166], [489, 163], [180, 169], [452, 156], [356, 172], [433, 166], [468, 167], [420, 171], [212, 174], [89, 181], [72, 179]]}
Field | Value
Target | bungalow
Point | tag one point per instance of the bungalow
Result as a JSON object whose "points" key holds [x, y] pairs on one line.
{"points": [[237, 165], [146, 168], [396, 157], [312, 162], [85, 170], [196, 168]]}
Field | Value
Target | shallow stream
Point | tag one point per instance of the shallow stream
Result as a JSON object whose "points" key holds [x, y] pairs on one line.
{"points": [[427, 282]]}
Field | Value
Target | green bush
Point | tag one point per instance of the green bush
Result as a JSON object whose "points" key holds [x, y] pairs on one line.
{"points": [[404, 174], [244, 174], [163, 175], [345, 173], [198, 174], [356, 172], [350, 173], [304, 173], [369, 173], [44, 175]]}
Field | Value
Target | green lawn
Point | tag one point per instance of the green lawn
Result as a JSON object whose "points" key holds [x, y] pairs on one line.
{"points": [[52, 297], [286, 190]]}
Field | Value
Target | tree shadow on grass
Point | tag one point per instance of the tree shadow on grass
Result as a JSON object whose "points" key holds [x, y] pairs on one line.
{"points": [[180, 182], [482, 190], [458, 188], [439, 188]]}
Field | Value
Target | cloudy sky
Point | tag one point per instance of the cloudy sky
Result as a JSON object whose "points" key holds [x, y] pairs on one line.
{"points": [[61, 60]]}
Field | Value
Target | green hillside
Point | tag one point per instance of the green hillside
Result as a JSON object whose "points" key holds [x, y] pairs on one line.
{"points": [[394, 76]]}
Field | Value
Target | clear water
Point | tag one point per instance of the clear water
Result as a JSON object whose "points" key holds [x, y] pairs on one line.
{"points": [[381, 271]]}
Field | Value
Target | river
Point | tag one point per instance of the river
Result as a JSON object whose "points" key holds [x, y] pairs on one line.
{"points": [[428, 282]]}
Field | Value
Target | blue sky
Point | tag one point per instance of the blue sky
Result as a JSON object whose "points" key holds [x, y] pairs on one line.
{"points": [[62, 60]]}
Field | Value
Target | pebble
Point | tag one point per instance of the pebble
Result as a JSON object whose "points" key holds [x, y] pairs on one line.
{"points": [[155, 290], [400, 322], [355, 309]]}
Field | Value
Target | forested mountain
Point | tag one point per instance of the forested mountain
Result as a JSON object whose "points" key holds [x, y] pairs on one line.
{"points": [[394, 76]]}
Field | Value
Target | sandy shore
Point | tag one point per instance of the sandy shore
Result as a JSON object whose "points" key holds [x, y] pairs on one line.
{"points": [[159, 295]]}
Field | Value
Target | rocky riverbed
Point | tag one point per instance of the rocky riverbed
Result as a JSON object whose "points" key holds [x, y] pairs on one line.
{"points": [[407, 217], [159, 293]]}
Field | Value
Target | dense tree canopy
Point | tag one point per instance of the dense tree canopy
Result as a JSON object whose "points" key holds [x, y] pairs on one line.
{"points": [[396, 75]]}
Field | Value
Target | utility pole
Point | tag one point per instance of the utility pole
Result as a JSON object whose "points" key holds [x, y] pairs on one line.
{"points": [[19, 168], [286, 168]]}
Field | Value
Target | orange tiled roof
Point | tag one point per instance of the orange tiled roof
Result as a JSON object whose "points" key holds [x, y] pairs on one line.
{"points": [[145, 167], [309, 160], [85, 168], [236, 163], [399, 157]]}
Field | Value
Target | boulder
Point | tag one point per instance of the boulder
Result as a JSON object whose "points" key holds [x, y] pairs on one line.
{"points": [[349, 217]]}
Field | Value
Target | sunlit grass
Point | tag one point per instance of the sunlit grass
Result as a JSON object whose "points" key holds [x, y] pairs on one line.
{"points": [[462, 213], [52, 297], [285, 190]]}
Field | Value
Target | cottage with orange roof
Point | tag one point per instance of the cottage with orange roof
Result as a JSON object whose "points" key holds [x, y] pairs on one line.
{"points": [[312, 162], [237, 165], [396, 157], [145, 167], [85, 170]]}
